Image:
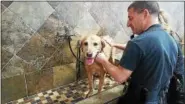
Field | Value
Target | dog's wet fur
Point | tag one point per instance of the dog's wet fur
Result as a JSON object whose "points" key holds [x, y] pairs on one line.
{"points": [[91, 45]]}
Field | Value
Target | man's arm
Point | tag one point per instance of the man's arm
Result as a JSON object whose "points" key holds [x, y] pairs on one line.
{"points": [[117, 45], [119, 73], [128, 63], [120, 46]]}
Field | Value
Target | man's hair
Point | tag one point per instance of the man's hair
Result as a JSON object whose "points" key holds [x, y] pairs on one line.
{"points": [[152, 6]]}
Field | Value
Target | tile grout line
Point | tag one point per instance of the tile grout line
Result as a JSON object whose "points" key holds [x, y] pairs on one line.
{"points": [[26, 84]]}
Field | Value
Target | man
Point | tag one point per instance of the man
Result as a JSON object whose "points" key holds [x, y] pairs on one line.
{"points": [[149, 59]]}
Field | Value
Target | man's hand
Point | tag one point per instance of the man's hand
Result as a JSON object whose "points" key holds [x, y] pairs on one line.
{"points": [[113, 44], [101, 58], [108, 40]]}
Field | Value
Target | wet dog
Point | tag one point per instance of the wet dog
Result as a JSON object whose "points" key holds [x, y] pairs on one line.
{"points": [[91, 45]]}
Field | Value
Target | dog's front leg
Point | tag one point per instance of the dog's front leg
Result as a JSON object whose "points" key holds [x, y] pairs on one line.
{"points": [[90, 82], [101, 83]]}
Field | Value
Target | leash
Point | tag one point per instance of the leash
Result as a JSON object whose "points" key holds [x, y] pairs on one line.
{"points": [[67, 36], [78, 61], [78, 50]]}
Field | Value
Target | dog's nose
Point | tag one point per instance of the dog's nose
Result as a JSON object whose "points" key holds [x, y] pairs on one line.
{"points": [[89, 54]]}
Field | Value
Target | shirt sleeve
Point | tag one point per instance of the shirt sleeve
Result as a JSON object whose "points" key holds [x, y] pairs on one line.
{"points": [[131, 56]]}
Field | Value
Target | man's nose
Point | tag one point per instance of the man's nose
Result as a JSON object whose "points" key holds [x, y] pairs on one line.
{"points": [[128, 24], [89, 54]]}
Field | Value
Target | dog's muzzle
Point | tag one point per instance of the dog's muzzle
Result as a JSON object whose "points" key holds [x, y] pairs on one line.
{"points": [[89, 55], [90, 59]]}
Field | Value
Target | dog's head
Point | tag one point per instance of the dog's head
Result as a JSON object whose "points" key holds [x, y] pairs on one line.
{"points": [[91, 46]]}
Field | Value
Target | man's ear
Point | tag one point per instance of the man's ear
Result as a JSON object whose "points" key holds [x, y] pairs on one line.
{"points": [[146, 13]]}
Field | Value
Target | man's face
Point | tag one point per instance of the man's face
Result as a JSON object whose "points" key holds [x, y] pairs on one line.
{"points": [[135, 21]]}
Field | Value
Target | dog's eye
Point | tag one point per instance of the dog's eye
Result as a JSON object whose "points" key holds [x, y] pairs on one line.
{"points": [[85, 43], [95, 44]]}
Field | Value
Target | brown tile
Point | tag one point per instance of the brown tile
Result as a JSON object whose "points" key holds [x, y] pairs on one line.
{"points": [[37, 51], [39, 81], [64, 74], [13, 88], [5, 57]]}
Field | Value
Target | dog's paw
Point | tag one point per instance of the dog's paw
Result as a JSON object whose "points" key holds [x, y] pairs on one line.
{"points": [[99, 96], [89, 93]]}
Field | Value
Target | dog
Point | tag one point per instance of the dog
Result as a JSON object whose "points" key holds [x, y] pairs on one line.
{"points": [[90, 46]]}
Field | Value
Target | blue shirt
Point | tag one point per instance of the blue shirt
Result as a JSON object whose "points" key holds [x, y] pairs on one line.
{"points": [[152, 57]]}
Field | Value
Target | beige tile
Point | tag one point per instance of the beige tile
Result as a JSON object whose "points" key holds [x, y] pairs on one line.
{"points": [[64, 74], [20, 100], [46, 95], [55, 93], [74, 91], [53, 97], [36, 98], [63, 97], [64, 92], [70, 99], [44, 101], [49, 91], [40, 94]]}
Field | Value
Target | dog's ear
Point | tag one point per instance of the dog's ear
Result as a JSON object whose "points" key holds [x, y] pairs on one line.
{"points": [[81, 43], [102, 44]]}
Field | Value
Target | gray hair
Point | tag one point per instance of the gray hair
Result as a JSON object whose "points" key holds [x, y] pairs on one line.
{"points": [[152, 6]]}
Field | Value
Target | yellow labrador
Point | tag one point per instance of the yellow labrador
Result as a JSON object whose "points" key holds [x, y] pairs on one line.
{"points": [[91, 45]]}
